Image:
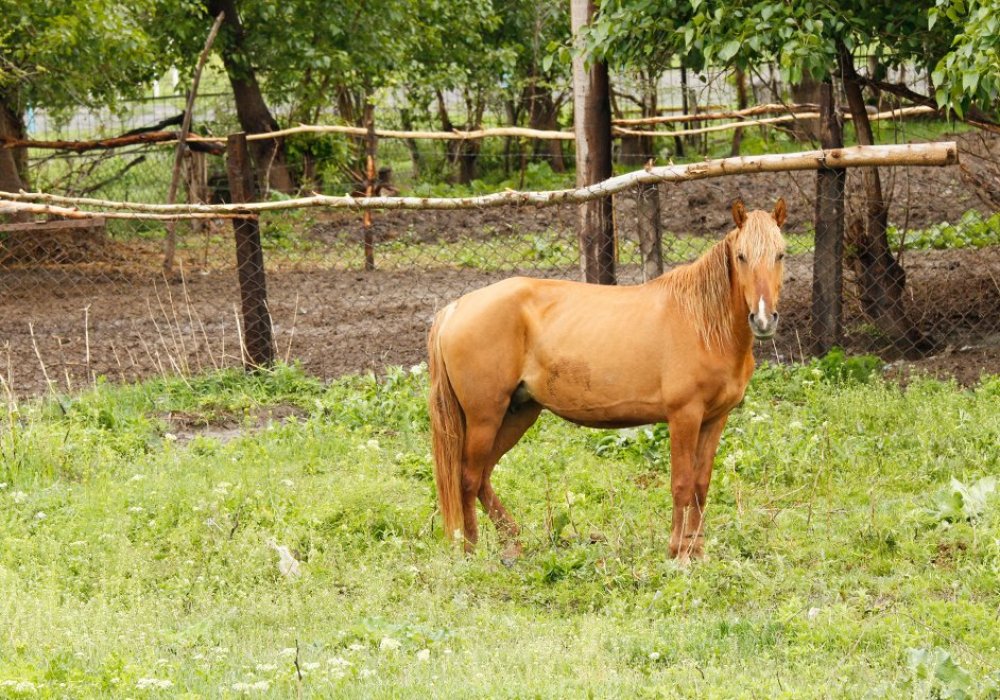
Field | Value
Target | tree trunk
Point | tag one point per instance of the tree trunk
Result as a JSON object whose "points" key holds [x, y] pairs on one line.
{"points": [[636, 150], [881, 279], [416, 159], [251, 109], [650, 230], [679, 140], [543, 114], [592, 122], [807, 91], [827, 287], [741, 103], [468, 153], [13, 161]]}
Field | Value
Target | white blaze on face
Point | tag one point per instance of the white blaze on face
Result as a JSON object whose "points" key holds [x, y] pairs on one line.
{"points": [[762, 310]]}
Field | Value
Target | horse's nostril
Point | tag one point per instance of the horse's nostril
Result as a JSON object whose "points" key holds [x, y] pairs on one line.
{"points": [[753, 317], [774, 316]]}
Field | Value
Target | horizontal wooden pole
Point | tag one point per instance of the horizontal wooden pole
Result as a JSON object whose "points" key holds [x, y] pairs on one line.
{"points": [[714, 116], [71, 212], [213, 144], [916, 154], [805, 116], [515, 131]]}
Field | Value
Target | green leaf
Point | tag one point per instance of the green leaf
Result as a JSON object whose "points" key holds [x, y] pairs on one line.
{"points": [[728, 50]]}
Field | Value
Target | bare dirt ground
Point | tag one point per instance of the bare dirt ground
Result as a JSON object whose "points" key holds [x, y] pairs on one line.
{"points": [[63, 325]]}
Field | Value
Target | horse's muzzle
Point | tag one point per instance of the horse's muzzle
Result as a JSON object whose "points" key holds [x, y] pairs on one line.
{"points": [[763, 326]]}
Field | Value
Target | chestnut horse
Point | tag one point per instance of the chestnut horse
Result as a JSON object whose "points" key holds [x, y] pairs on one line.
{"points": [[677, 348]]}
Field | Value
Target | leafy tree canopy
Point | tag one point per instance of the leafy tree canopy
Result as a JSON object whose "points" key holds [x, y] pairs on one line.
{"points": [[969, 72], [77, 52]]}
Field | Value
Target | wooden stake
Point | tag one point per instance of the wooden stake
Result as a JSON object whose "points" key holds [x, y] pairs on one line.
{"points": [[171, 242], [371, 146]]}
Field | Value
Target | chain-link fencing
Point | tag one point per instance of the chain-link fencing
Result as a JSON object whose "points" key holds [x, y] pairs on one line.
{"points": [[84, 300]]}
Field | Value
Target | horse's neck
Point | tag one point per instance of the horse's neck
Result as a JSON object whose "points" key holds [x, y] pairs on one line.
{"points": [[706, 291]]}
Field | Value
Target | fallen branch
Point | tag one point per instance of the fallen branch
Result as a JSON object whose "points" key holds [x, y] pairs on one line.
{"points": [[918, 154], [108, 180], [206, 144]]}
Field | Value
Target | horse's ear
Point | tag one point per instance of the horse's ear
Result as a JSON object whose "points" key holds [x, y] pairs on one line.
{"points": [[780, 212], [739, 213]]}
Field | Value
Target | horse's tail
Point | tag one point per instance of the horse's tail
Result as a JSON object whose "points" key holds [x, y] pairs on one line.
{"points": [[447, 435]]}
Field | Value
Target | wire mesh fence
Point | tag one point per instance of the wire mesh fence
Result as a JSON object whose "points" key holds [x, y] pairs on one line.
{"points": [[80, 301]]}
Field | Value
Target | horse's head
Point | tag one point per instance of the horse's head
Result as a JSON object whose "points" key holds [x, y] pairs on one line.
{"points": [[756, 251]]}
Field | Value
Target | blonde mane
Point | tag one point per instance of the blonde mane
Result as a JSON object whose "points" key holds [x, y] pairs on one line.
{"points": [[703, 289]]}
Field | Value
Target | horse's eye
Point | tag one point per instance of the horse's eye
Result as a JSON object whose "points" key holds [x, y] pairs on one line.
{"points": [[741, 257]]}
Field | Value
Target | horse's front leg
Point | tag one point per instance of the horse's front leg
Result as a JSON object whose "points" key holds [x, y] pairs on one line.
{"points": [[685, 429], [708, 443]]}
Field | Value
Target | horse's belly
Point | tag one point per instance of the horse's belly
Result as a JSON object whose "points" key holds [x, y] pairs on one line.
{"points": [[614, 405]]}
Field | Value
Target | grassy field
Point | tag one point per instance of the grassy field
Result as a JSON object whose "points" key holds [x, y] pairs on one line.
{"points": [[853, 533]]}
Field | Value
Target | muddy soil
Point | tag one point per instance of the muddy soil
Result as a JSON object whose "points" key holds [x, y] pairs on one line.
{"points": [[65, 325]]}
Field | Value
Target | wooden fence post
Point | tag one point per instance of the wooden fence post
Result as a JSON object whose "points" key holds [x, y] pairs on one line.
{"points": [[650, 230], [371, 150], [257, 335], [828, 278]]}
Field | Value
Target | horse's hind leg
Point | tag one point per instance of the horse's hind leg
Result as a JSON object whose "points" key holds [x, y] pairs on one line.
{"points": [[480, 437], [513, 428]]}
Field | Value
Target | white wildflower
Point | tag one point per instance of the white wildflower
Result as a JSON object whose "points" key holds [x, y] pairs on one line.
{"points": [[153, 684], [338, 661], [388, 644], [20, 687], [136, 509], [654, 656], [266, 668], [310, 666], [372, 444], [18, 496], [288, 651], [288, 483], [40, 515], [3, 485], [138, 477], [417, 370], [261, 686], [169, 437], [356, 647], [222, 488], [424, 655], [813, 613], [367, 673]]}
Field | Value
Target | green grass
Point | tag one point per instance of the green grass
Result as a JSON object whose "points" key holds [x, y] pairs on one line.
{"points": [[844, 559]]}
